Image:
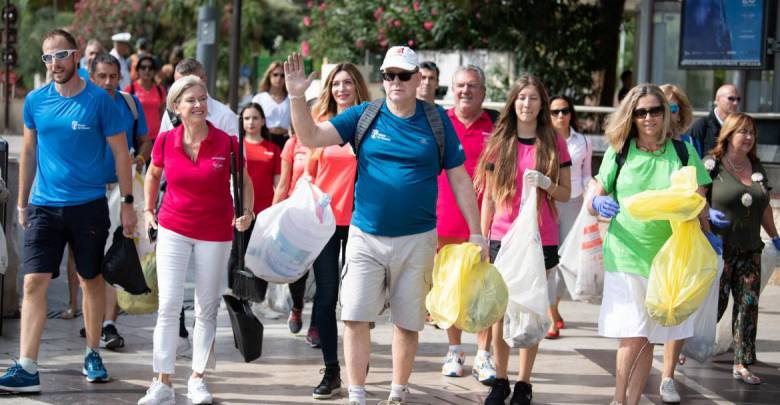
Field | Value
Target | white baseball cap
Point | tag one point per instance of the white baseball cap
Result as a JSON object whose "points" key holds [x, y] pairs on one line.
{"points": [[401, 57], [122, 37]]}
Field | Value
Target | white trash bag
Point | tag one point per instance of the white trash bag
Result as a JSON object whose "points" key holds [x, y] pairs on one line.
{"points": [[582, 259], [521, 263], [288, 236], [724, 338], [701, 346]]}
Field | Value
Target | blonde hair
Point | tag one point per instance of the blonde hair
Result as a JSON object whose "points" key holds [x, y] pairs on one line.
{"points": [[620, 126], [733, 123], [686, 111], [500, 154], [179, 87], [265, 84]]}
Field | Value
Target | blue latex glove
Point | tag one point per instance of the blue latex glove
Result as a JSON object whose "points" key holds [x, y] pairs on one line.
{"points": [[718, 219], [776, 242], [605, 205], [715, 242]]}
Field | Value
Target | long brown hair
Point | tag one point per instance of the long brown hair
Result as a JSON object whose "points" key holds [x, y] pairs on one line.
{"points": [[620, 124], [265, 84], [500, 154], [733, 123], [325, 106]]}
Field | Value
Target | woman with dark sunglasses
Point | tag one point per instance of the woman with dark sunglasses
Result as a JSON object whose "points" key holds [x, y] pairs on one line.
{"points": [[272, 96], [639, 130], [150, 94], [564, 120]]}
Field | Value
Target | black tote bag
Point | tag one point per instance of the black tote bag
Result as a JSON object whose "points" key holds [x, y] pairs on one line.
{"points": [[122, 267], [247, 329]]}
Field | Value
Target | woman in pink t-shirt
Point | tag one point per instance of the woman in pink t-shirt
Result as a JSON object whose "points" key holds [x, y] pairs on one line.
{"points": [[523, 149], [195, 221], [333, 170]]}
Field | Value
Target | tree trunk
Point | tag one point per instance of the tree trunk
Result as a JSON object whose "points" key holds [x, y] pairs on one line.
{"points": [[611, 18]]}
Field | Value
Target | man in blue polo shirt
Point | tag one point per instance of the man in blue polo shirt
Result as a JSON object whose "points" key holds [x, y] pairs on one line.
{"points": [[392, 237], [66, 126]]}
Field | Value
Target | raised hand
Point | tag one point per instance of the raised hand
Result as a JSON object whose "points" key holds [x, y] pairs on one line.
{"points": [[294, 76]]}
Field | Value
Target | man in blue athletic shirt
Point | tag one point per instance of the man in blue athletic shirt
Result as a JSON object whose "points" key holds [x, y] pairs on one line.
{"points": [[392, 237], [62, 201]]}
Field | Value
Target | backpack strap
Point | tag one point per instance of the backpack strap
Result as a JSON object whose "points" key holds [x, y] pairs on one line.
{"points": [[133, 108], [679, 148], [682, 151], [437, 126], [366, 119]]}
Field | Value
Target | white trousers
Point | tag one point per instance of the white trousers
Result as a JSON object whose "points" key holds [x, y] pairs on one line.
{"points": [[209, 263]]}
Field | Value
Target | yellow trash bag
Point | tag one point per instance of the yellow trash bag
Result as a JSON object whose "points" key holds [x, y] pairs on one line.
{"points": [[467, 293], [683, 270], [144, 303]]}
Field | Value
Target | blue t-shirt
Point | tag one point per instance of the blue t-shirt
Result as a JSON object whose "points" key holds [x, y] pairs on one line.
{"points": [[398, 165], [127, 120], [71, 143]]}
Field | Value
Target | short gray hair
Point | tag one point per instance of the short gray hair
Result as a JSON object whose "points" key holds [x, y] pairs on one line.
{"points": [[179, 87], [470, 68], [190, 66]]}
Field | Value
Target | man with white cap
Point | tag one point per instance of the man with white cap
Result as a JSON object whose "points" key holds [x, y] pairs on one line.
{"points": [[392, 237], [121, 51]]}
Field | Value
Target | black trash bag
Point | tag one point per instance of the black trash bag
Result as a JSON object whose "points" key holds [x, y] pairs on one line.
{"points": [[122, 267], [247, 329]]}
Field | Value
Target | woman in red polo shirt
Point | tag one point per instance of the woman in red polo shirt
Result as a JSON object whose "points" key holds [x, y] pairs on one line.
{"points": [[195, 222], [333, 171]]}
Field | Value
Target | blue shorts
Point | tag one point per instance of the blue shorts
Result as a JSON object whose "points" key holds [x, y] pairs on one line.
{"points": [[84, 227]]}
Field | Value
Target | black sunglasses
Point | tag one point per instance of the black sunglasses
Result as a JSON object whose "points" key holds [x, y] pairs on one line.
{"points": [[656, 111], [564, 111], [734, 99], [403, 76], [145, 67]]}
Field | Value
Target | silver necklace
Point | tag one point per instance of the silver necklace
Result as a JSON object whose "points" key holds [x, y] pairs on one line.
{"points": [[737, 168]]}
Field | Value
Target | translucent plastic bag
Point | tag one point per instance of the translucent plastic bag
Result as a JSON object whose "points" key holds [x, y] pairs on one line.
{"points": [[290, 235], [467, 292], [582, 259], [521, 263], [144, 303], [683, 270], [701, 346], [114, 205]]}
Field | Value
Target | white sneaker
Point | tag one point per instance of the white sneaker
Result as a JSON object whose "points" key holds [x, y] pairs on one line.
{"points": [[484, 370], [183, 347], [197, 392], [669, 392], [265, 311], [453, 364], [158, 394]]}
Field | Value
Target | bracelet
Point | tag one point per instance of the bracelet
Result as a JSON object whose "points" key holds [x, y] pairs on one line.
{"points": [[152, 210], [291, 97], [21, 209]]}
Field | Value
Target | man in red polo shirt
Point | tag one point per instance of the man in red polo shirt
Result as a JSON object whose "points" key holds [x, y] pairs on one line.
{"points": [[473, 126]]}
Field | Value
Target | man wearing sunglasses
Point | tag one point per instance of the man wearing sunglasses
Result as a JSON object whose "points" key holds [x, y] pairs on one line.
{"points": [[62, 200], [705, 130], [392, 237]]}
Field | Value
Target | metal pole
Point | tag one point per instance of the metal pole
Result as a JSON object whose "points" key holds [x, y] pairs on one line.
{"points": [[235, 56], [207, 43], [6, 87], [645, 41], [776, 80]]}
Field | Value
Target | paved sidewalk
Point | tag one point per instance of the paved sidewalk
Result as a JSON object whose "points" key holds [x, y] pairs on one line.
{"points": [[576, 369]]}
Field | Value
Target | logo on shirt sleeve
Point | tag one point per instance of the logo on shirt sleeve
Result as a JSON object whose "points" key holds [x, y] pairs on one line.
{"points": [[76, 126]]}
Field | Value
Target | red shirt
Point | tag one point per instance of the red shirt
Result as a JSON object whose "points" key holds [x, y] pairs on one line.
{"points": [[152, 102], [263, 162], [449, 220], [296, 155], [197, 202]]}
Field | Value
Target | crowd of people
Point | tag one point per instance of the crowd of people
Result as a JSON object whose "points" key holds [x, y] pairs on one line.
{"points": [[405, 177]]}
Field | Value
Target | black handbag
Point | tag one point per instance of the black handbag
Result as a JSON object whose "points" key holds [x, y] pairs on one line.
{"points": [[121, 266], [247, 329]]}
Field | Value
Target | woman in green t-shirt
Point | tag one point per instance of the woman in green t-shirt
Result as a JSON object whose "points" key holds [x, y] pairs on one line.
{"points": [[639, 133], [740, 189]]}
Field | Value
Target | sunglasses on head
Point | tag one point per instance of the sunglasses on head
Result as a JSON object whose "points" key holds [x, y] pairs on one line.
{"points": [[734, 99], [146, 67], [403, 76], [674, 108], [564, 111], [48, 58], [656, 111]]}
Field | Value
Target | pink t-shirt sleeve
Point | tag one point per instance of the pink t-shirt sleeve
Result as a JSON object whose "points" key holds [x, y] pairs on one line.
{"points": [[158, 148], [287, 151], [277, 160]]}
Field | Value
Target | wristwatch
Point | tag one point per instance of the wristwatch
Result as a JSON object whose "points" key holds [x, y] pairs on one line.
{"points": [[127, 199]]}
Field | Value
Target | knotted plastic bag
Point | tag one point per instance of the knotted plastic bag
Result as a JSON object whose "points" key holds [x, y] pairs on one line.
{"points": [[582, 259], [144, 303], [683, 270], [467, 293]]}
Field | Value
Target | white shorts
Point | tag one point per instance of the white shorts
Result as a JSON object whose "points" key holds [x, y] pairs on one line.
{"points": [[623, 313], [387, 272]]}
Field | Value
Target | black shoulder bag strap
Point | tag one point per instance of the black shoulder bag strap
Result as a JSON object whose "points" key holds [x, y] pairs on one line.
{"points": [[437, 126], [366, 119], [679, 148]]}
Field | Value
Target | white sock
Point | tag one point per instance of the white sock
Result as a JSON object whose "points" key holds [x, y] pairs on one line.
{"points": [[482, 354], [29, 365], [455, 349], [398, 391], [107, 322], [357, 393], [89, 350]]}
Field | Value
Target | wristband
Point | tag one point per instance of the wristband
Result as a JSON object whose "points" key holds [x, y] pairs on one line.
{"points": [[21, 209], [291, 97], [152, 210]]}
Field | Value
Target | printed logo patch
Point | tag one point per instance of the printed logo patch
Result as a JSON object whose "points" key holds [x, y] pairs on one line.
{"points": [[375, 134], [217, 162], [76, 126]]}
